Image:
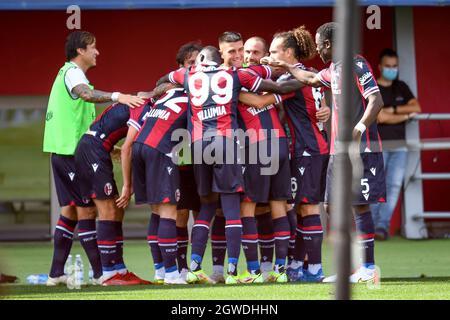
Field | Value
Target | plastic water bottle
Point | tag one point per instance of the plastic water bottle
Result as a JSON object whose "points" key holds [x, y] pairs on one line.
{"points": [[71, 277], [69, 262], [91, 274], [79, 271], [37, 279]]}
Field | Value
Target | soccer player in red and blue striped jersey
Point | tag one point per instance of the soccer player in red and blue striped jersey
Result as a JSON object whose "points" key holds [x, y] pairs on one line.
{"points": [[365, 109], [96, 179], [213, 94], [264, 130], [310, 151], [154, 159]]}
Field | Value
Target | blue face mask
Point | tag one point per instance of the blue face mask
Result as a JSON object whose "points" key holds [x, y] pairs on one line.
{"points": [[390, 73]]}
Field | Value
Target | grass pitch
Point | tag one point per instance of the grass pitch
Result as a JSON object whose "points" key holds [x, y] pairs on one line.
{"points": [[409, 270]]}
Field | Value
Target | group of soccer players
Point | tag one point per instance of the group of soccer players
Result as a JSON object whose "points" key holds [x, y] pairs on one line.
{"points": [[184, 152]]}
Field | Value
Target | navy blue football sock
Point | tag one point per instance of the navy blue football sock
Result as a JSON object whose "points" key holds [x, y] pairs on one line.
{"points": [[366, 234], [182, 242], [312, 235], [106, 235], [250, 243], [200, 231], [233, 226], [167, 240], [282, 234], [62, 243], [152, 239], [218, 241], [265, 237]]}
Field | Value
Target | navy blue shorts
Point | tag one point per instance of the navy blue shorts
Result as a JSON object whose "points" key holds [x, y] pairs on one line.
{"points": [[264, 187], [309, 175], [219, 176], [67, 182], [156, 178], [188, 188], [373, 183], [95, 169]]}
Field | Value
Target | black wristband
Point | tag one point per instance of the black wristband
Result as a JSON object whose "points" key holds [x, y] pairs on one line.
{"points": [[395, 109]]}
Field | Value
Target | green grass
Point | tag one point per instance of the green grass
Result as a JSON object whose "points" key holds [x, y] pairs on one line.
{"points": [[409, 270]]}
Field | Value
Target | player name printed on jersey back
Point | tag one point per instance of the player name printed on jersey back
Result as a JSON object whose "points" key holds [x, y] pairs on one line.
{"points": [[166, 115], [363, 86], [213, 97]]}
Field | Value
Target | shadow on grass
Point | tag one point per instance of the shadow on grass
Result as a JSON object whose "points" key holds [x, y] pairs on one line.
{"points": [[417, 279], [18, 289], [21, 289]]}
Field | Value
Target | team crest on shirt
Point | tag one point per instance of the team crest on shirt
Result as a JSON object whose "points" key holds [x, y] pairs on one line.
{"points": [[95, 167], [71, 175], [108, 189], [374, 171], [177, 195]]}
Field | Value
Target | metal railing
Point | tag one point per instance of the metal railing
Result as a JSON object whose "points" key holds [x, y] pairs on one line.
{"points": [[413, 212]]}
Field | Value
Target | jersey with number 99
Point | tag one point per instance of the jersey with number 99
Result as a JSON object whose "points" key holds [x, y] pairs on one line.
{"points": [[213, 97]]}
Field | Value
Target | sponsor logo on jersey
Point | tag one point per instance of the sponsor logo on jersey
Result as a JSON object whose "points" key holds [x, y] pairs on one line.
{"points": [[157, 113], [169, 170], [177, 195], [365, 78], [243, 169], [373, 170], [254, 111], [302, 170], [71, 176], [108, 188], [95, 167], [359, 64], [366, 196], [211, 113]]}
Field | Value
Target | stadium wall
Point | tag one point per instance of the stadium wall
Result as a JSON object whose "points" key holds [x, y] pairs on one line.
{"points": [[138, 46]]}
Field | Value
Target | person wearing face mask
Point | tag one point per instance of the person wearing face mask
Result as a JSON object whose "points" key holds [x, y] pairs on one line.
{"points": [[400, 105]]}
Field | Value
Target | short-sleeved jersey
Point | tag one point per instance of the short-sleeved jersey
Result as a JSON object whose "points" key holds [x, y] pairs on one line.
{"points": [[213, 97], [364, 85], [112, 125], [307, 135], [252, 120], [166, 115]]}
